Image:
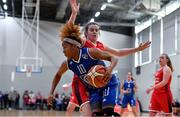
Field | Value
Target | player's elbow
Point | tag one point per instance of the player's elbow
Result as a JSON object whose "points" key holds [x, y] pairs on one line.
{"points": [[57, 76], [114, 59], [164, 83]]}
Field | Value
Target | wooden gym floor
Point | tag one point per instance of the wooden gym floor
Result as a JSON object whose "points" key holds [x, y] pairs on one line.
{"points": [[36, 113]]}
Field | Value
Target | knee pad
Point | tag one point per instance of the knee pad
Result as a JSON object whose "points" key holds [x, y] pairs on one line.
{"points": [[94, 114], [116, 114], [109, 112]]}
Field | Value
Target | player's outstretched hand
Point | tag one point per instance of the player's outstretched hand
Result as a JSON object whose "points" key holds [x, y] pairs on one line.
{"points": [[143, 46], [74, 6], [148, 90]]}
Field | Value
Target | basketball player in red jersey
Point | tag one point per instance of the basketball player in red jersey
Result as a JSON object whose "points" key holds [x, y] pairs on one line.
{"points": [[92, 31], [161, 98]]}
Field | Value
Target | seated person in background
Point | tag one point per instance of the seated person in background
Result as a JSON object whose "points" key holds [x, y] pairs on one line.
{"points": [[176, 108]]}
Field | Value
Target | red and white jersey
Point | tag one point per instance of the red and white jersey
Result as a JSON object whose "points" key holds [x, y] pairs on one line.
{"points": [[158, 79], [89, 44]]}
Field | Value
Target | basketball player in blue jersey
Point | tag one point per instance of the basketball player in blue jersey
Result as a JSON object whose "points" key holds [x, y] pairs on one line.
{"points": [[80, 60], [128, 89]]}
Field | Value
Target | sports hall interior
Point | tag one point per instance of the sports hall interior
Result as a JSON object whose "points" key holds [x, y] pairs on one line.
{"points": [[35, 41]]}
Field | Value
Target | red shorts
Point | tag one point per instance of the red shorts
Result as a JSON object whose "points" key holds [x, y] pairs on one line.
{"points": [[79, 94], [161, 102]]}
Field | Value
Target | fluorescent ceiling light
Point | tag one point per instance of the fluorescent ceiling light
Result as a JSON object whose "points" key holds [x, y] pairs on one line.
{"points": [[4, 1], [109, 1], [5, 7], [92, 20], [103, 7], [97, 14]]}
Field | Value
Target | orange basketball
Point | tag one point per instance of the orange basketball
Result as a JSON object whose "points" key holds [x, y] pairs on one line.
{"points": [[95, 76]]}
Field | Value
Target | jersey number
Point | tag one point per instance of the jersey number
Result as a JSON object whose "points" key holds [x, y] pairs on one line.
{"points": [[106, 92], [81, 69]]}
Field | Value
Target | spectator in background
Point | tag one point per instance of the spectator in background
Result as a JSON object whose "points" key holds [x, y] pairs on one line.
{"points": [[25, 99], [45, 106], [32, 100], [58, 101], [39, 99], [6, 100], [10, 100], [176, 108], [65, 102], [1, 100], [14, 94], [16, 103]]}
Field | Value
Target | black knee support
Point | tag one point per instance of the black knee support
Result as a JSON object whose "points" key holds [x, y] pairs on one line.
{"points": [[110, 112], [94, 114]]}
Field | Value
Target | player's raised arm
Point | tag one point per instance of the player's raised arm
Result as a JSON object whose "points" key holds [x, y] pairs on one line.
{"points": [[127, 51], [63, 68], [75, 9], [122, 87]]}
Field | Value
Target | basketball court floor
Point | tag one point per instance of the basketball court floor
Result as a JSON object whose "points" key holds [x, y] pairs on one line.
{"points": [[34, 113], [48, 113]]}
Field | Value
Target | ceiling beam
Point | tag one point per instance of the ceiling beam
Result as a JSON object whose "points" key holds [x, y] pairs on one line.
{"points": [[61, 10], [150, 13], [116, 24], [114, 6], [136, 5], [2, 13]]}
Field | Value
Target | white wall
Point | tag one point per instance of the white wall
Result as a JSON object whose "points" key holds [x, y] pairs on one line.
{"points": [[144, 80], [118, 41], [50, 51]]}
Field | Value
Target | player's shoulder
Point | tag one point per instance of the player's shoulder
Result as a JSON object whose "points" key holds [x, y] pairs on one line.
{"points": [[88, 44], [99, 42], [166, 68], [133, 81]]}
